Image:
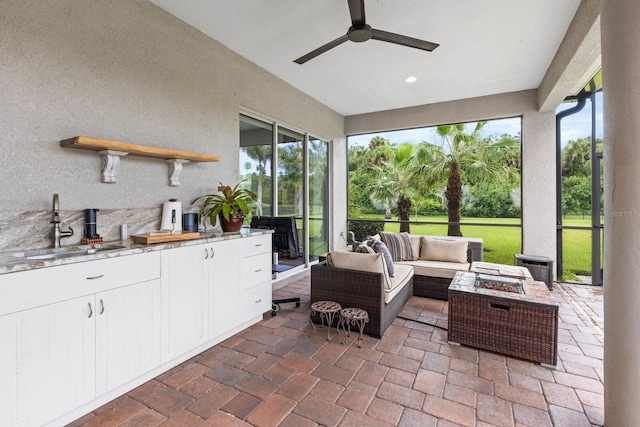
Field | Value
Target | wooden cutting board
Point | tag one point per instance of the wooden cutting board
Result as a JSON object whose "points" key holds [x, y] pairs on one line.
{"points": [[146, 239]]}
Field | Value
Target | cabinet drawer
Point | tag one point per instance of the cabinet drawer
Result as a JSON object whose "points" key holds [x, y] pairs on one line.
{"points": [[256, 270], [28, 289], [256, 301], [257, 245]]}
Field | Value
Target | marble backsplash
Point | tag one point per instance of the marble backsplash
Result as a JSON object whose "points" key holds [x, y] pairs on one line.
{"points": [[32, 229]]}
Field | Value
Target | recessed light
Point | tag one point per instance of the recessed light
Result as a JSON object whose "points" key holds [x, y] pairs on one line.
{"points": [[410, 79]]}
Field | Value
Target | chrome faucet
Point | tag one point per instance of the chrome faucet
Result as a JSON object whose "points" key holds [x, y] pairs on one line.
{"points": [[56, 233]]}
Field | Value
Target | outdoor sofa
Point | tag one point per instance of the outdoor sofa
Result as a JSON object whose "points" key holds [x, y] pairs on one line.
{"points": [[362, 280]]}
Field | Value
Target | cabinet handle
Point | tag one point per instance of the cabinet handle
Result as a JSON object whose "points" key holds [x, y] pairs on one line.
{"points": [[101, 306], [258, 301], [206, 253], [212, 253], [258, 245], [90, 310], [95, 277], [258, 270]]}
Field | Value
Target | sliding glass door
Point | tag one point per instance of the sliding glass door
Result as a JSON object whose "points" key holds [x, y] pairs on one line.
{"points": [[289, 171], [318, 196]]}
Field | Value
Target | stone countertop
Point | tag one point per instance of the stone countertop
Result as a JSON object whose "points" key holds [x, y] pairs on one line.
{"points": [[10, 262]]}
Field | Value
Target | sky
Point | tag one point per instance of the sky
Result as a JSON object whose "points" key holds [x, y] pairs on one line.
{"points": [[573, 127]]}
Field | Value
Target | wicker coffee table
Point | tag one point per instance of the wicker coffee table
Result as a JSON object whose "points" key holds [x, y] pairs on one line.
{"points": [[523, 325]]}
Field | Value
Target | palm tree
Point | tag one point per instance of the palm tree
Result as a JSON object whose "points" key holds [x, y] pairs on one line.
{"points": [[394, 182], [462, 154], [262, 155]]}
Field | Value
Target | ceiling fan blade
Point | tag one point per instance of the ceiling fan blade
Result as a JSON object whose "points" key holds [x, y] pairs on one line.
{"points": [[322, 49], [356, 8], [386, 36]]}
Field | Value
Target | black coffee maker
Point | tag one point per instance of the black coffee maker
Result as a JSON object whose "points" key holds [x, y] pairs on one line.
{"points": [[90, 224]]}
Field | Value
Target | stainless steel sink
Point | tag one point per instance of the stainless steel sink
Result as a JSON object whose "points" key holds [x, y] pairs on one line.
{"points": [[65, 252]]}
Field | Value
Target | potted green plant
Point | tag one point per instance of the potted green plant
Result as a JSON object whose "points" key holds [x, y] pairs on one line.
{"points": [[230, 206]]}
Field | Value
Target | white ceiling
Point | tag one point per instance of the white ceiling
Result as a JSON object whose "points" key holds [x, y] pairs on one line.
{"points": [[486, 46]]}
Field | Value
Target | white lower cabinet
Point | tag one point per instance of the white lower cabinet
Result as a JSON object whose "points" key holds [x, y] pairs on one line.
{"points": [[127, 334], [185, 295], [49, 360], [72, 334], [256, 283], [224, 286], [212, 288], [56, 357]]}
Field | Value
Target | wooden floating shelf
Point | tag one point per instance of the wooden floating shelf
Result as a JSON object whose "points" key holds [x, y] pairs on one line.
{"points": [[111, 151]]}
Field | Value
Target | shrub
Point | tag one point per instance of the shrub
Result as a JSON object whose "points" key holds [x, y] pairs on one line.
{"points": [[362, 229]]}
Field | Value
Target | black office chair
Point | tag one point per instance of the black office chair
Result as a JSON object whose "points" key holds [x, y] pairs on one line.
{"points": [[275, 304]]}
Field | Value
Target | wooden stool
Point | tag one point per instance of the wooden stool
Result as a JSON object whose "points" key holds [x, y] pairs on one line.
{"points": [[327, 310], [353, 316]]}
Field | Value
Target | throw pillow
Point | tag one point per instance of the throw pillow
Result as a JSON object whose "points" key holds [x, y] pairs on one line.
{"points": [[330, 260], [364, 249], [373, 263], [443, 250], [399, 246], [379, 247]]}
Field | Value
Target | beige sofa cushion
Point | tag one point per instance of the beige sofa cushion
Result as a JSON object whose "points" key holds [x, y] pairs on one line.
{"points": [[373, 263], [442, 269], [415, 245], [403, 275], [443, 250]]}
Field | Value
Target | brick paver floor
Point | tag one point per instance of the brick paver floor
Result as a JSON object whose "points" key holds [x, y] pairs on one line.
{"points": [[278, 372]]}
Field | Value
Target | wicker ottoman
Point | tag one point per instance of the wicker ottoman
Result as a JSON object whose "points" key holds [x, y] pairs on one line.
{"points": [[520, 325]]}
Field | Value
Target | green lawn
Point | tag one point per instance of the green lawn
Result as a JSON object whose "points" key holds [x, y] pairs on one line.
{"points": [[502, 243]]}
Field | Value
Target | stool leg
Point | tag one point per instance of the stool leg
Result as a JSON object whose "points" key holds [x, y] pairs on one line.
{"points": [[361, 323], [347, 334], [313, 313], [329, 323]]}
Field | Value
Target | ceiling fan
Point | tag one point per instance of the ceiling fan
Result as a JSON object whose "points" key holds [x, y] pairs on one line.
{"points": [[361, 32]]}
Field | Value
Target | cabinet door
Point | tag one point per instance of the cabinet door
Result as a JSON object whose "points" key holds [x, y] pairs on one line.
{"points": [[224, 277], [54, 360], [8, 387], [127, 333], [185, 297]]}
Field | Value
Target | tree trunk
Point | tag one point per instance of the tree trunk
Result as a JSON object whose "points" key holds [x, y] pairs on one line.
{"points": [[259, 195], [453, 193], [404, 209]]}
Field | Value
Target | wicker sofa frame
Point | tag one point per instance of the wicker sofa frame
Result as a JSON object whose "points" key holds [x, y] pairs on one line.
{"points": [[359, 289]]}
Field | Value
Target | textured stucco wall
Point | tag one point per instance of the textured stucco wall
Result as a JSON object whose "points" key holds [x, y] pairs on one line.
{"points": [[538, 151], [128, 71], [621, 94]]}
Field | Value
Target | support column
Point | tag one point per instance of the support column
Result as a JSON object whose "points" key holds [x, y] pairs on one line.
{"points": [[621, 93], [538, 184]]}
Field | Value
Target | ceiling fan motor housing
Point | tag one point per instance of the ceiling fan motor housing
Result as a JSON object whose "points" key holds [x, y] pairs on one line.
{"points": [[359, 33]]}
